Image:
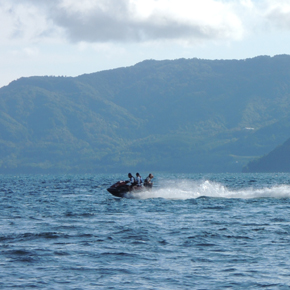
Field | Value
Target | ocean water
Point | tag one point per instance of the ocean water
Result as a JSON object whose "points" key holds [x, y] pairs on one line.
{"points": [[194, 231]]}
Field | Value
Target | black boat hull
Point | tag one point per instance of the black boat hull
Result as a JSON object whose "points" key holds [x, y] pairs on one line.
{"points": [[119, 189], [119, 192]]}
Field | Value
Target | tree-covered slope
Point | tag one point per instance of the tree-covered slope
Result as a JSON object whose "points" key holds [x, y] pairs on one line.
{"points": [[183, 115], [277, 160]]}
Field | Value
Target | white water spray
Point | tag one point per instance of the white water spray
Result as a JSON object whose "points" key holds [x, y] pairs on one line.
{"points": [[187, 189]]}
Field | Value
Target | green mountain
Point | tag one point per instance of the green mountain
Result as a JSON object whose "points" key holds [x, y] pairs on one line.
{"points": [[185, 115], [277, 160]]}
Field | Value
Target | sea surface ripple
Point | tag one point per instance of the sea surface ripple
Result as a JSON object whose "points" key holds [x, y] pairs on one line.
{"points": [[191, 231]]}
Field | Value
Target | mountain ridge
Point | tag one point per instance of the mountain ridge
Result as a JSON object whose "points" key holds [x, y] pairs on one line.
{"points": [[278, 160], [187, 115]]}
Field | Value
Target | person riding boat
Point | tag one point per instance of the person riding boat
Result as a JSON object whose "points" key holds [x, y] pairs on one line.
{"points": [[132, 182], [148, 179], [139, 179]]}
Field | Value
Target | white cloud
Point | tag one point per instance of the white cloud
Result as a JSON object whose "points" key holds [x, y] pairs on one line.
{"points": [[147, 20], [70, 37], [25, 20], [278, 14], [121, 20], [101, 21]]}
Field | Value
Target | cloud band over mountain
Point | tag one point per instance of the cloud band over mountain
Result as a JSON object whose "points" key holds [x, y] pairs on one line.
{"points": [[141, 20]]}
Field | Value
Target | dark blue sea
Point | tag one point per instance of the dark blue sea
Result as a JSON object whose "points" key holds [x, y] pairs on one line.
{"points": [[194, 231]]}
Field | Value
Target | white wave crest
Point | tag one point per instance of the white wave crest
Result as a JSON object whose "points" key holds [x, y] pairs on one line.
{"points": [[186, 189]]}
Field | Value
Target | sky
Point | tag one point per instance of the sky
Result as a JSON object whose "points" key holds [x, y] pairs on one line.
{"points": [[74, 37]]}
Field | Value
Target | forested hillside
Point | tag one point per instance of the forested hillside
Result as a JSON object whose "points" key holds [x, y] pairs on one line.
{"points": [[277, 160], [186, 115]]}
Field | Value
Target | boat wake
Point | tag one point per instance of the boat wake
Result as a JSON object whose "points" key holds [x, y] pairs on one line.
{"points": [[186, 189]]}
